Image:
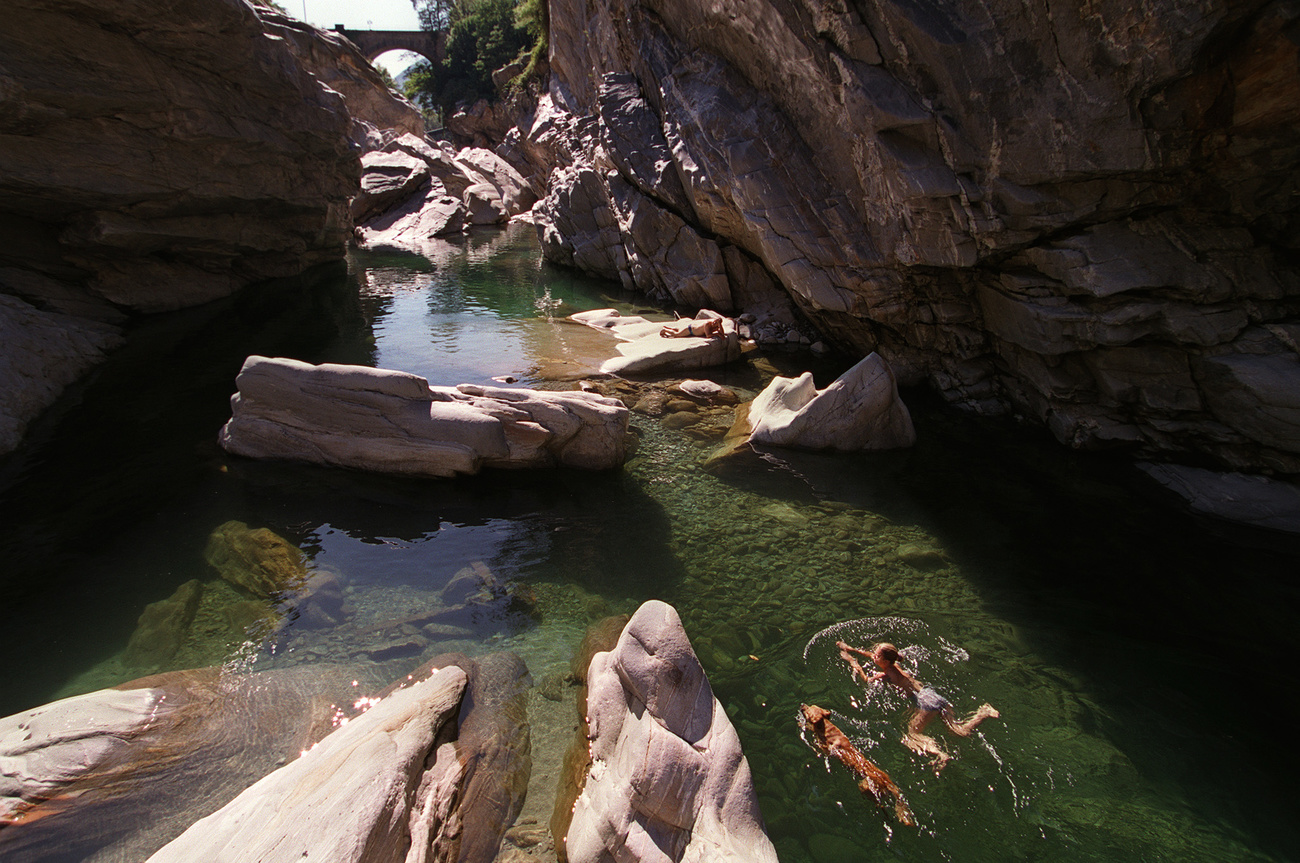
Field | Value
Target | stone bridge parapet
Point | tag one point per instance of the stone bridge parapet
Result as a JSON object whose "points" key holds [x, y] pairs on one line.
{"points": [[430, 45]]}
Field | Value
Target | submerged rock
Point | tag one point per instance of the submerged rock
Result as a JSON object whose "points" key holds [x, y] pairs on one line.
{"points": [[861, 410], [259, 561], [394, 422], [163, 627], [667, 780]]}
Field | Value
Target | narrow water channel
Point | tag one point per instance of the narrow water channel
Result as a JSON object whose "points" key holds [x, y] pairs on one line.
{"points": [[1143, 662]]}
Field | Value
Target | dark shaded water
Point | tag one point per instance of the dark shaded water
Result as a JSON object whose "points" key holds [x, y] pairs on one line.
{"points": [[1143, 662]]}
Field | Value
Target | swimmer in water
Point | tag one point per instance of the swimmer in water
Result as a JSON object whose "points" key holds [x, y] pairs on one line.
{"points": [[928, 703]]}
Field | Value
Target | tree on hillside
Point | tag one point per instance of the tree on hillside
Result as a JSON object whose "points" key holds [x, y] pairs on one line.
{"points": [[482, 36], [434, 14]]}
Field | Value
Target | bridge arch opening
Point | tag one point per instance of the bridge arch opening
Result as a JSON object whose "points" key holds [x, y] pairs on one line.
{"points": [[374, 43], [397, 62]]}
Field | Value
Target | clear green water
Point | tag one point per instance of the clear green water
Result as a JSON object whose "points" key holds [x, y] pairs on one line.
{"points": [[1013, 571]]}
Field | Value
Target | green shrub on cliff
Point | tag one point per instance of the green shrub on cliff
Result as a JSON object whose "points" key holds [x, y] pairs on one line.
{"points": [[482, 36], [534, 18]]}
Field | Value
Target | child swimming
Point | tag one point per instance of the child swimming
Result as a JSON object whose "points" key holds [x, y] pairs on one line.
{"points": [[928, 703]]}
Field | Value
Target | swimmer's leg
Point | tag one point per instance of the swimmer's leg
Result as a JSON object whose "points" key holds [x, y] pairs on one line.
{"points": [[970, 723], [921, 743]]}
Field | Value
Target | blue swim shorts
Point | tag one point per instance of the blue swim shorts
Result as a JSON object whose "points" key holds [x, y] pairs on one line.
{"points": [[928, 699]]}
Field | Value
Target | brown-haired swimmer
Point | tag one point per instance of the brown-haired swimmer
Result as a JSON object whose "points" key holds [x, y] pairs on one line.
{"points": [[928, 703], [871, 779]]}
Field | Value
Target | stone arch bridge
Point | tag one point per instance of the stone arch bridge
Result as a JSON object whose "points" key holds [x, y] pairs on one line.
{"points": [[432, 46]]}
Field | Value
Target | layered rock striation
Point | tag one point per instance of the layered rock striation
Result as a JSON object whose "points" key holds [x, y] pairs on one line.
{"points": [[1086, 215], [171, 155], [394, 422], [158, 157], [378, 114]]}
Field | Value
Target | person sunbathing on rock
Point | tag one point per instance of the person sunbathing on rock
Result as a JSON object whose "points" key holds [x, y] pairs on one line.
{"points": [[685, 327], [928, 703]]}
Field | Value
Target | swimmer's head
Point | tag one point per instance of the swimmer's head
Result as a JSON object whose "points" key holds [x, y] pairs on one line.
{"points": [[884, 652]]}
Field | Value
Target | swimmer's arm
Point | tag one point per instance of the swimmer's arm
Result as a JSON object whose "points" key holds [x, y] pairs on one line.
{"points": [[860, 652], [859, 672]]}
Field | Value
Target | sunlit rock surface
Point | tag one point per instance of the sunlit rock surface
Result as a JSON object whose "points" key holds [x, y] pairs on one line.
{"points": [[1087, 217], [861, 410], [473, 793], [643, 350], [601, 635], [436, 765], [121, 771], [435, 770], [667, 781], [349, 799], [413, 192], [394, 422]]}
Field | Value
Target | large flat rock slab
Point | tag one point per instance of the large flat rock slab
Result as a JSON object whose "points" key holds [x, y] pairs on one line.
{"points": [[394, 422], [645, 347]]}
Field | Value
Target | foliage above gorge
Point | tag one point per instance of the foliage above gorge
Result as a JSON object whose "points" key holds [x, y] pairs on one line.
{"points": [[483, 36]]}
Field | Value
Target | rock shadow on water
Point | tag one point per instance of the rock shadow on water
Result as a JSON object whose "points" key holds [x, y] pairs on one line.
{"points": [[602, 520]]}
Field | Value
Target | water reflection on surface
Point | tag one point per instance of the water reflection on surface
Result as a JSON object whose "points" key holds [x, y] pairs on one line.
{"points": [[1013, 571]]}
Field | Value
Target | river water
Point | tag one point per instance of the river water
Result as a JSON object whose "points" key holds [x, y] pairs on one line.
{"points": [[1143, 662]]}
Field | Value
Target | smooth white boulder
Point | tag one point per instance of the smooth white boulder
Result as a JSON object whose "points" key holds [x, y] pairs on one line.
{"points": [[394, 422], [861, 410], [45, 750], [643, 350], [668, 780], [347, 800]]}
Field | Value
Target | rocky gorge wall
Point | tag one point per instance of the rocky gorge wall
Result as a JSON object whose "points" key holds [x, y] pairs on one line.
{"points": [[159, 156], [1083, 213]]}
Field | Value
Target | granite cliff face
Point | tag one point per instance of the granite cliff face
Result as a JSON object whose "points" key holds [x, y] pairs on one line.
{"points": [[1088, 214], [158, 156]]}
